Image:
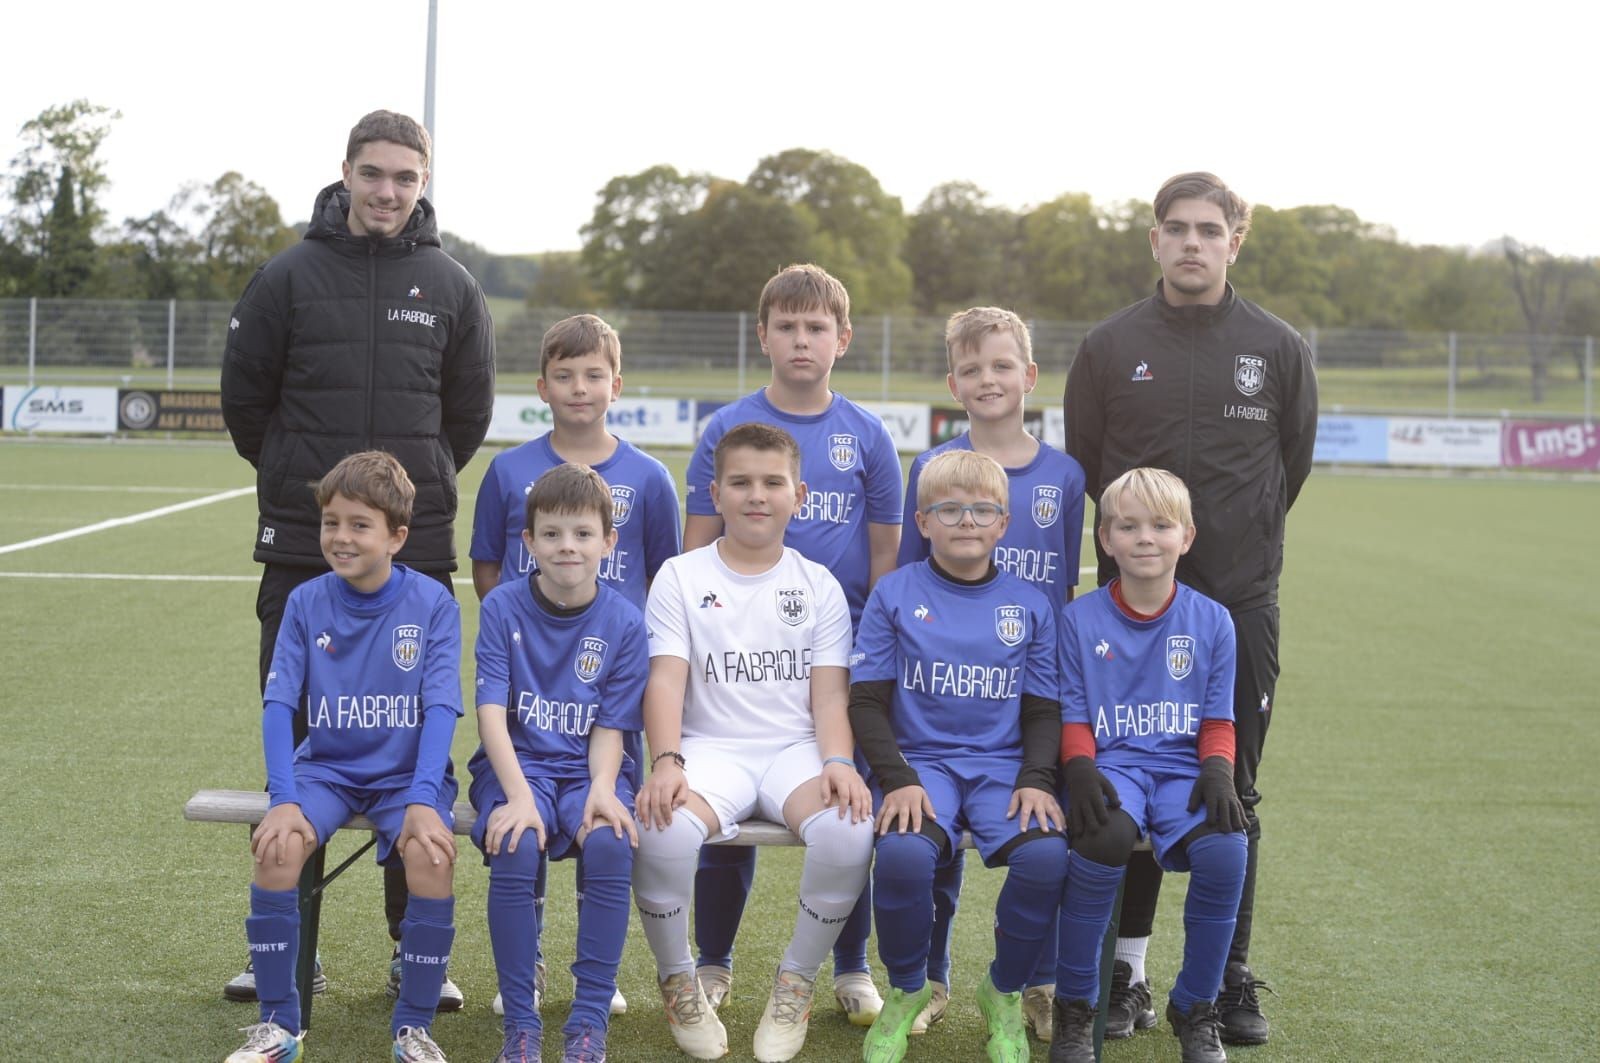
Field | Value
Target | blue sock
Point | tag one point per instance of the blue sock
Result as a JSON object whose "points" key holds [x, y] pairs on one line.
{"points": [[538, 903], [273, 931], [1044, 971], [902, 899], [514, 927], [850, 949], [1084, 914], [946, 899], [721, 887], [425, 937], [1022, 913], [602, 927], [1216, 878]]}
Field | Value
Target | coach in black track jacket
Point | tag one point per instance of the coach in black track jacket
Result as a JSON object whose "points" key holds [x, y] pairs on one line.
{"points": [[1204, 384]]}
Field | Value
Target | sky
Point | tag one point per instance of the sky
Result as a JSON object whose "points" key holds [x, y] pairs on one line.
{"points": [[1452, 124]]}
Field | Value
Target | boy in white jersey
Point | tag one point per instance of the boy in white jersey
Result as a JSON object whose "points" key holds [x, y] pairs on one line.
{"points": [[991, 372], [371, 653], [745, 715], [1147, 673], [848, 521]]}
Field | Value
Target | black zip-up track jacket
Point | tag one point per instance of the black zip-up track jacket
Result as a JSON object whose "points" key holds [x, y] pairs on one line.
{"points": [[345, 343], [1224, 396]]}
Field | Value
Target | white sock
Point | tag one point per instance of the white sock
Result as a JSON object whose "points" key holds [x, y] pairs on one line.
{"points": [[1131, 951], [838, 854], [663, 881]]}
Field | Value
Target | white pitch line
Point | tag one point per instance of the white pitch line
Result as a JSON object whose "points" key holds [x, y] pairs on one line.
{"points": [[160, 577], [127, 489], [118, 522]]}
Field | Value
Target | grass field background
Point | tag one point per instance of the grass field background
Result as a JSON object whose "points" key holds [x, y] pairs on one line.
{"points": [[1430, 884]]}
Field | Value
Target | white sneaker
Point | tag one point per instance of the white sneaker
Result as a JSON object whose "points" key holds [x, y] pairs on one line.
{"points": [[267, 1042], [499, 1004], [787, 1016], [619, 1003], [858, 998], [413, 1045], [695, 1027], [717, 982], [935, 1009], [1037, 1002]]}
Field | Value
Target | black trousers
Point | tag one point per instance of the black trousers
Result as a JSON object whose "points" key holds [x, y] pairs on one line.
{"points": [[272, 597], [1254, 689]]}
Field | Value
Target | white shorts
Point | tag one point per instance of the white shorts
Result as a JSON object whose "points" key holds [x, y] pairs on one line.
{"points": [[744, 779]]}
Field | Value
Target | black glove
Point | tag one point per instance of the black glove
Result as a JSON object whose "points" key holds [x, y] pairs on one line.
{"points": [[1090, 796], [1215, 790]]}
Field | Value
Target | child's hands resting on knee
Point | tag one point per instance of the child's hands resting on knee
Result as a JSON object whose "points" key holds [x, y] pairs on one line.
{"points": [[508, 822], [1034, 804], [602, 806], [903, 810], [270, 839], [666, 789], [423, 826], [842, 784]]}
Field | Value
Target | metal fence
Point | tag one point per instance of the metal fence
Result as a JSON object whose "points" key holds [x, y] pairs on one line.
{"points": [[717, 355]]}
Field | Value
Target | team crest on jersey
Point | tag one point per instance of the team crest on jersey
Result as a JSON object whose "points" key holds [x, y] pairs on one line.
{"points": [[842, 451], [591, 658], [1046, 505], [1249, 373], [793, 606], [1010, 623], [1180, 655], [407, 647], [621, 504]]}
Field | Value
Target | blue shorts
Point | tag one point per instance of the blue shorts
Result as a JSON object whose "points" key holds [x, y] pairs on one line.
{"points": [[327, 806], [972, 794], [1158, 801], [559, 803]]}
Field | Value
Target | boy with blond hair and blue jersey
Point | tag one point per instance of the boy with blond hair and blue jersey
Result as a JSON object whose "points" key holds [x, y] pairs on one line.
{"points": [[1147, 743], [953, 699], [848, 522], [992, 371], [562, 661], [370, 653]]}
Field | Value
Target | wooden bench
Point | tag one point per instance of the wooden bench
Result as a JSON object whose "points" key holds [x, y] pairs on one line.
{"points": [[249, 806]]}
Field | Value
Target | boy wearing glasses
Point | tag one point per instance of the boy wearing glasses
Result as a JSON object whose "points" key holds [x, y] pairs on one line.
{"points": [[991, 370], [960, 724]]}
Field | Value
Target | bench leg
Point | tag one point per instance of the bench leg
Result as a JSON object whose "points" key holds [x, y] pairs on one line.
{"points": [[310, 916], [1108, 957]]}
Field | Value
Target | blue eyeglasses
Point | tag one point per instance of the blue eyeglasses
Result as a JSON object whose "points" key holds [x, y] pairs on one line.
{"points": [[950, 514]]}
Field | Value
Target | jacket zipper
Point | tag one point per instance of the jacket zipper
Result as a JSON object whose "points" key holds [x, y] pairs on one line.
{"points": [[372, 334]]}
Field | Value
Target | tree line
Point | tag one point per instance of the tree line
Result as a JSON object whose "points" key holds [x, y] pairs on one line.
{"points": [[663, 239]]}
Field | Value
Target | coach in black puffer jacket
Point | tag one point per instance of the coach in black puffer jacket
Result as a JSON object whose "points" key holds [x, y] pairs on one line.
{"points": [[345, 343]]}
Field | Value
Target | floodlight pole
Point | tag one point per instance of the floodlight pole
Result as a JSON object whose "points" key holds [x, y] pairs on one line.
{"points": [[427, 97]]}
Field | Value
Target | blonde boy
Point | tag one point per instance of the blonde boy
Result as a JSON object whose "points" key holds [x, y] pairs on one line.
{"points": [[953, 698], [847, 521], [745, 715], [1147, 670], [991, 373]]}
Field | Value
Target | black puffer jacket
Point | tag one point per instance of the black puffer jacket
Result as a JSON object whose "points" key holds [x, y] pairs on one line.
{"points": [[345, 343], [1224, 396]]}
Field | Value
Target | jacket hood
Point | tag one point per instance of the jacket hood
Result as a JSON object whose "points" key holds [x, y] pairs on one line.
{"points": [[330, 220]]}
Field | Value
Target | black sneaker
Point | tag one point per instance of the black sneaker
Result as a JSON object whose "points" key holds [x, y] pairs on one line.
{"points": [[1197, 1032], [1239, 1009], [1129, 1008], [1071, 1031]]}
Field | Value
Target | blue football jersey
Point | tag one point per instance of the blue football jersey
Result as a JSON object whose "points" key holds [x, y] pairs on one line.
{"points": [[1046, 505], [644, 510], [559, 676], [363, 668], [961, 657], [852, 478], [1145, 686]]}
